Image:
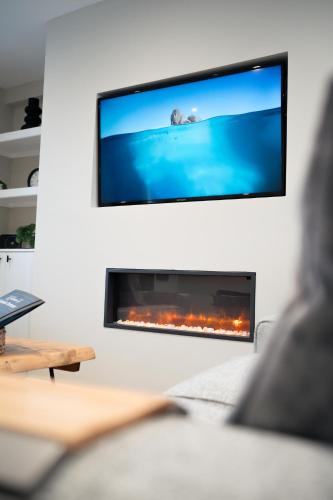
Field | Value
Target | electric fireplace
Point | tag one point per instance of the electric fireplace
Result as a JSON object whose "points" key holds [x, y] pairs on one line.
{"points": [[217, 305]]}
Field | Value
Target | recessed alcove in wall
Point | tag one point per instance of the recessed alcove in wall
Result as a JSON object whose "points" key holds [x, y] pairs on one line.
{"points": [[194, 303]]}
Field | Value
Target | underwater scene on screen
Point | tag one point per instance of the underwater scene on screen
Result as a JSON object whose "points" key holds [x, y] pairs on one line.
{"points": [[215, 137]]}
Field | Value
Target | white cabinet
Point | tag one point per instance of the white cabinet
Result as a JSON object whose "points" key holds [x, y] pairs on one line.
{"points": [[16, 272]]}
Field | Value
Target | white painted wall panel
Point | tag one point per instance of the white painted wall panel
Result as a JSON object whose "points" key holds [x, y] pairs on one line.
{"points": [[115, 44]]}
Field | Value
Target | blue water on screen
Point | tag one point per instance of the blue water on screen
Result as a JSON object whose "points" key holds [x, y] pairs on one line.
{"points": [[222, 155]]}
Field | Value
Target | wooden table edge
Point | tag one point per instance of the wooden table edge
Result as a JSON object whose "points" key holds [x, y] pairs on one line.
{"points": [[7, 365]]}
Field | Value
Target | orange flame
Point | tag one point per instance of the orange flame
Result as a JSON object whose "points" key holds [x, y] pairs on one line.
{"points": [[196, 320]]}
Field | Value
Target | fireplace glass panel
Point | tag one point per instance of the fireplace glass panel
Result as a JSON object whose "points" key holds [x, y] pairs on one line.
{"points": [[216, 305]]}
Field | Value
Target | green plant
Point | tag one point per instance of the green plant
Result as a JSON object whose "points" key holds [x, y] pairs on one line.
{"points": [[3, 185], [26, 234]]}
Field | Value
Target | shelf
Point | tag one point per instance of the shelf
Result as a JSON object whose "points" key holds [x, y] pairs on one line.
{"points": [[19, 250], [18, 197], [20, 143]]}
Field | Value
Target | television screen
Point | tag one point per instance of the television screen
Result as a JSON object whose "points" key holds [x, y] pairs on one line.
{"points": [[210, 135]]}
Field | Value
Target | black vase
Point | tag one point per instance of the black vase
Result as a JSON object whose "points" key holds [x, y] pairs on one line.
{"points": [[33, 112]]}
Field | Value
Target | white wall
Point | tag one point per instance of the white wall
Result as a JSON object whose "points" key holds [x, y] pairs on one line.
{"points": [[115, 44], [4, 112]]}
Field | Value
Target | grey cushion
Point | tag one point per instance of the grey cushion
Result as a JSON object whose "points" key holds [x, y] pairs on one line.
{"points": [[292, 388], [221, 384], [209, 412], [210, 395], [175, 458], [26, 460]]}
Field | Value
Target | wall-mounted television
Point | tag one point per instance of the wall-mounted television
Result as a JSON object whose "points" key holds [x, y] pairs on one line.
{"points": [[210, 135]]}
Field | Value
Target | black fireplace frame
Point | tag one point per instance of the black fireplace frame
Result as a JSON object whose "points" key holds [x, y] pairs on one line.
{"points": [[110, 312]]}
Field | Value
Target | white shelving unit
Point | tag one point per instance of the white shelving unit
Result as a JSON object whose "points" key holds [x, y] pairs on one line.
{"points": [[20, 143], [18, 197], [19, 156]]}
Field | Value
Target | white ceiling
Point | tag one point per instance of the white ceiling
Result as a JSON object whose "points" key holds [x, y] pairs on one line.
{"points": [[22, 36]]}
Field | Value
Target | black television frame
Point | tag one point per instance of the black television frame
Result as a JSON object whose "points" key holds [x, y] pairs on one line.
{"points": [[263, 62]]}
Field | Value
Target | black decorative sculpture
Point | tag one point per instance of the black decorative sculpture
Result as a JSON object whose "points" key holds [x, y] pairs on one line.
{"points": [[33, 112]]}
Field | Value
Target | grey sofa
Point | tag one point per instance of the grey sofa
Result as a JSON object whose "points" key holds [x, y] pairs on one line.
{"points": [[211, 395], [177, 457]]}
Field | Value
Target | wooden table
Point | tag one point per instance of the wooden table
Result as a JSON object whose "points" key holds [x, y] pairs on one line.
{"points": [[23, 355], [70, 414]]}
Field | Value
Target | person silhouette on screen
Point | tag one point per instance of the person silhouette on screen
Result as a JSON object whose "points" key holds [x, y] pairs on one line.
{"points": [[178, 119]]}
